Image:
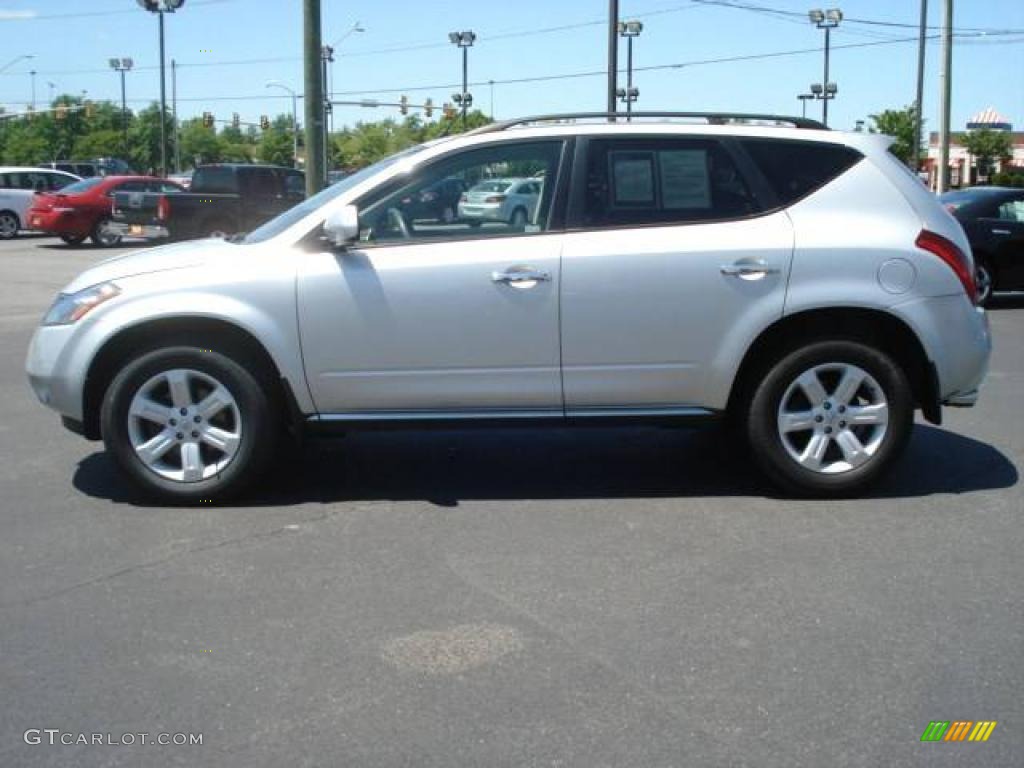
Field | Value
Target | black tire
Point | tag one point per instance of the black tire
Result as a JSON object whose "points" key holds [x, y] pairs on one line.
{"points": [[985, 279], [259, 428], [73, 239], [217, 228], [519, 218], [762, 414], [101, 239], [9, 225]]}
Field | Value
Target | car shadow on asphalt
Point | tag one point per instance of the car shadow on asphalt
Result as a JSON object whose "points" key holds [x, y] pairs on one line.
{"points": [[446, 467]]}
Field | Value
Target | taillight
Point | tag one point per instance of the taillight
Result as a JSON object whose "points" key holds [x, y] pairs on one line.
{"points": [[163, 208], [955, 259], [495, 199]]}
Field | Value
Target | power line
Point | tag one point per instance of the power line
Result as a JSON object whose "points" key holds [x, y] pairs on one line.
{"points": [[963, 38]]}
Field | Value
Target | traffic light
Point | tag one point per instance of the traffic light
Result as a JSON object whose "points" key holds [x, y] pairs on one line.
{"points": [[428, 108], [235, 120], [264, 122], [208, 119], [403, 104]]}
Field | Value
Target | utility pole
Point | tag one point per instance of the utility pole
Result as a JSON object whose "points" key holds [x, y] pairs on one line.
{"points": [[163, 103], [313, 103], [174, 114], [326, 57], [122, 66], [919, 101], [613, 53], [945, 92]]}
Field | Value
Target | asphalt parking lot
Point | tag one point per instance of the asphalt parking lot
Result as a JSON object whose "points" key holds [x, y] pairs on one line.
{"points": [[509, 598]]}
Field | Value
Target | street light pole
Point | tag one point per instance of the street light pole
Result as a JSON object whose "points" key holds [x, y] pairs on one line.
{"points": [[122, 66], [826, 20], [295, 120], [629, 30], [160, 7], [464, 40]]}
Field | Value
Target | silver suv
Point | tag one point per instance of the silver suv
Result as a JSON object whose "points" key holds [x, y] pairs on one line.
{"points": [[798, 281]]}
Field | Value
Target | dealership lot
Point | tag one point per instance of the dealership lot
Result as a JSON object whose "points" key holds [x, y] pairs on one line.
{"points": [[512, 597]]}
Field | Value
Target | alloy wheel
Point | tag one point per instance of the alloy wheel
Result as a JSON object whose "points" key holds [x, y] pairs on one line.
{"points": [[833, 418], [184, 425], [8, 225]]}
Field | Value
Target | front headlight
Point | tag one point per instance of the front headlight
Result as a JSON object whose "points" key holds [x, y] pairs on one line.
{"points": [[72, 307]]}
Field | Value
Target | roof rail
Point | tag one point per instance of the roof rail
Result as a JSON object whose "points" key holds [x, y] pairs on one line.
{"points": [[712, 118]]}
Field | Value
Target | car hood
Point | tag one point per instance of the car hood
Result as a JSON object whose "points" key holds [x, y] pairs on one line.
{"points": [[194, 253]]}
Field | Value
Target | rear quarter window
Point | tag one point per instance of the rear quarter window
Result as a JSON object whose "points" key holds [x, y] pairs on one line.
{"points": [[215, 180], [795, 169]]}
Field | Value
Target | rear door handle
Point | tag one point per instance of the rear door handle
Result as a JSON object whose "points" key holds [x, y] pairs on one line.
{"points": [[748, 269], [1001, 232], [521, 278]]}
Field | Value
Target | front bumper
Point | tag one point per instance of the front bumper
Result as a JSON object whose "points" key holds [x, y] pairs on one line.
{"points": [[49, 372], [145, 231]]}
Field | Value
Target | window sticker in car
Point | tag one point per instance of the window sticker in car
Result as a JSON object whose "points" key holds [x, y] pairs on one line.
{"points": [[633, 178], [685, 181]]}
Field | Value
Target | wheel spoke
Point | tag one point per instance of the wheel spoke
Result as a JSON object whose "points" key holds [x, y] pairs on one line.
{"points": [[222, 440], [868, 415], [214, 403], [796, 421], [852, 448], [814, 453], [181, 396], [153, 449], [144, 408], [191, 462], [812, 389], [849, 384]]}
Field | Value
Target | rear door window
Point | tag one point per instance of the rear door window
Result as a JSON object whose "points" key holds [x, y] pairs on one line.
{"points": [[644, 181], [215, 180], [795, 169]]}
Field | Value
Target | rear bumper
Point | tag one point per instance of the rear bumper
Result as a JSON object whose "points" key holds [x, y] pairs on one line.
{"points": [[58, 222], [962, 400], [145, 231]]}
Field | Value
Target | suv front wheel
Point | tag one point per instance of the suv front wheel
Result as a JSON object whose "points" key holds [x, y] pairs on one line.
{"points": [[828, 419], [188, 424]]}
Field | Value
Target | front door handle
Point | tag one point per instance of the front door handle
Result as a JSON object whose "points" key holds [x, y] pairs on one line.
{"points": [[521, 278], [748, 270], [1001, 232]]}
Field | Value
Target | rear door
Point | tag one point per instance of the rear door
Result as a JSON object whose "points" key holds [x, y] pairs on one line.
{"points": [[673, 267]]}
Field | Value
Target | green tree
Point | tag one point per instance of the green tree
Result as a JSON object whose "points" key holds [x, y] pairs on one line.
{"points": [[898, 123], [987, 145], [101, 143], [276, 147], [144, 138], [199, 144]]}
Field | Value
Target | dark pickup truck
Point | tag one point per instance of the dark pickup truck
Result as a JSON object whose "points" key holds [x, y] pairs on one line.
{"points": [[223, 199]]}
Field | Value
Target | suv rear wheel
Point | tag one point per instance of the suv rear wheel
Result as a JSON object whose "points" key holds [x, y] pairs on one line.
{"points": [[188, 425], [830, 418]]}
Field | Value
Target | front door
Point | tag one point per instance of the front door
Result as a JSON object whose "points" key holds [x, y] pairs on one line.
{"points": [[675, 270], [426, 318]]}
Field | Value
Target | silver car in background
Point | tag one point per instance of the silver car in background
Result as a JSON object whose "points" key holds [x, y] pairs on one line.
{"points": [[797, 282], [512, 201]]}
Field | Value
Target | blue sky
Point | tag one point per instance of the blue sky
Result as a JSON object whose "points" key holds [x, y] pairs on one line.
{"points": [[228, 49]]}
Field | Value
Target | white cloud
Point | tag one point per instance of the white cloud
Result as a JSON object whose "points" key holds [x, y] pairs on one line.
{"points": [[14, 15]]}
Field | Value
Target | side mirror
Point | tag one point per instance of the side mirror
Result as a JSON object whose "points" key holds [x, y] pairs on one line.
{"points": [[342, 225]]}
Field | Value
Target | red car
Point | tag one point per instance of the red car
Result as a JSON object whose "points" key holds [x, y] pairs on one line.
{"points": [[82, 209]]}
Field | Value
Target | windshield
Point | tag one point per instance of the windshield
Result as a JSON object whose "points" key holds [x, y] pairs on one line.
{"points": [[81, 186], [278, 225]]}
